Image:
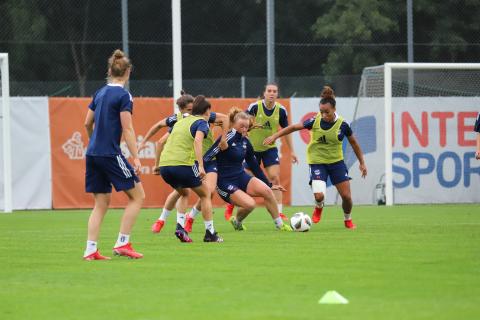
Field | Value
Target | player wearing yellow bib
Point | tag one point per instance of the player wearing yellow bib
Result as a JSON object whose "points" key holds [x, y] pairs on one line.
{"points": [[185, 221], [181, 163], [184, 103], [325, 155], [269, 115]]}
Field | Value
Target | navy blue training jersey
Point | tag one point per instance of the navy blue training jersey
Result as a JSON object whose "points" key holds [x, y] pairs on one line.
{"points": [[230, 161], [477, 124], [345, 129], [107, 104], [283, 121], [199, 125]]}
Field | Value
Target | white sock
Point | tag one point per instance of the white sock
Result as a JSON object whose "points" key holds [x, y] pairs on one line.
{"points": [[209, 226], [181, 219], [91, 248], [347, 216], [278, 222], [193, 213], [164, 215], [280, 208], [122, 240]]}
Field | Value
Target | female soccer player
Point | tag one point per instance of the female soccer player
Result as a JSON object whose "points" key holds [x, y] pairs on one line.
{"points": [[269, 115], [184, 221], [182, 166], [477, 130], [234, 185], [325, 155], [110, 115], [184, 103]]}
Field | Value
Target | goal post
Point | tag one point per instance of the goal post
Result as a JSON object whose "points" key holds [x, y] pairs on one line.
{"points": [[6, 137], [413, 107]]}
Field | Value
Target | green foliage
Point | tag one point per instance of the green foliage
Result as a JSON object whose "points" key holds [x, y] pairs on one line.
{"points": [[351, 25], [366, 32], [23, 23]]}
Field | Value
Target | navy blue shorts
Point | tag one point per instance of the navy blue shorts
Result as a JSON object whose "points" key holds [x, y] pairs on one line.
{"points": [[103, 172], [181, 176], [210, 166], [337, 172], [269, 158], [227, 186]]}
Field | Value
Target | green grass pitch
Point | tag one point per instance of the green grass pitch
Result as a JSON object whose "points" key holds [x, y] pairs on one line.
{"points": [[403, 262]]}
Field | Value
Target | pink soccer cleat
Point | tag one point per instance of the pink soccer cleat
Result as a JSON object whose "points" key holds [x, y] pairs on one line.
{"points": [[127, 251], [95, 256], [350, 225], [157, 226], [317, 214], [188, 224], [228, 211]]}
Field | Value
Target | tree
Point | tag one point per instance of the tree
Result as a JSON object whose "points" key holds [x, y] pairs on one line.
{"points": [[360, 29], [21, 24]]}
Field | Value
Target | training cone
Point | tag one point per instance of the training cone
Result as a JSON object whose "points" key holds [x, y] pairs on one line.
{"points": [[332, 297]]}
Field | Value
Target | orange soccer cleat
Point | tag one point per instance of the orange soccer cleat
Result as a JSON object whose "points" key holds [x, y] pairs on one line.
{"points": [[317, 214], [157, 226], [95, 256], [188, 224], [228, 211], [127, 251], [284, 217], [350, 225]]}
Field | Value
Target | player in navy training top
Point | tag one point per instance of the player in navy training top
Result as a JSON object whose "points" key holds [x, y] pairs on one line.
{"points": [[234, 185], [108, 117], [477, 130], [269, 115]]}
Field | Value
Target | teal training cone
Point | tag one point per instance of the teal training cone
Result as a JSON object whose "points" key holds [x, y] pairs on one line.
{"points": [[332, 297]]}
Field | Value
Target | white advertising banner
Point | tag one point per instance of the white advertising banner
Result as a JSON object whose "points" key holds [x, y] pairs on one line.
{"points": [[433, 150], [31, 172]]}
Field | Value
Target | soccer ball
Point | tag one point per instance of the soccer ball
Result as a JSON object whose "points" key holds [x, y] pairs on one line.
{"points": [[301, 222]]}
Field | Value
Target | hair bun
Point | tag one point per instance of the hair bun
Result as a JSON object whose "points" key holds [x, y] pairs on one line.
{"points": [[327, 93], [118, 54], [182, 92]]}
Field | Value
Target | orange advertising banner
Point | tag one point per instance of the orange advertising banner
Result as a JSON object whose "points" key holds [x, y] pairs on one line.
{"points": [[69, 141]]}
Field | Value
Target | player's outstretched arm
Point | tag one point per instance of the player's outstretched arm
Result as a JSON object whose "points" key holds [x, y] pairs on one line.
{"points": [[158, 151], [358, 152], [152, 131], [283, 132]]}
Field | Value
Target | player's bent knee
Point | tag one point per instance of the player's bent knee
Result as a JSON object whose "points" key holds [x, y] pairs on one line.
{"points": [[250, 205], [319, 197], [268, 193]]}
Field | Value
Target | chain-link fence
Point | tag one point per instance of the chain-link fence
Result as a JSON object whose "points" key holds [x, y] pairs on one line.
{"points": [[60, 47]]}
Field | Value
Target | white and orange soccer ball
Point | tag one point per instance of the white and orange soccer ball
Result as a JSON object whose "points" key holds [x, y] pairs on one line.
{"points": [[301, 222]]}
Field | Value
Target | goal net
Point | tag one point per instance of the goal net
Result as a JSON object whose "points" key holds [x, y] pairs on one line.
{"points": [[5, 152], [414, 122]]}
